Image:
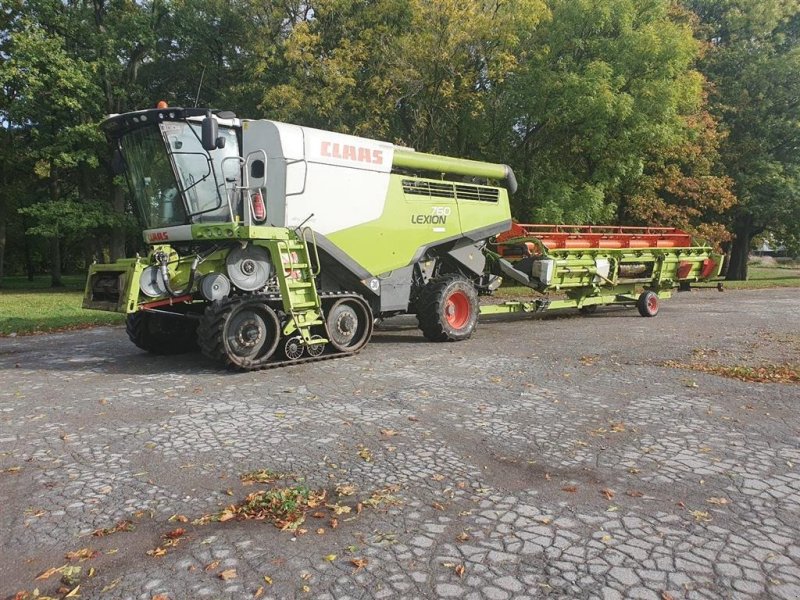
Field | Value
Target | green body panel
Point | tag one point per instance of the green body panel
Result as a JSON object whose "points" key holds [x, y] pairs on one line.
{"points": [[411, 222], [409, 159], [287, 248]]}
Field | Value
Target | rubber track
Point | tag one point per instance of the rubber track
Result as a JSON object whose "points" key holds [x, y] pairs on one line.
{"points": [[276, 364]]}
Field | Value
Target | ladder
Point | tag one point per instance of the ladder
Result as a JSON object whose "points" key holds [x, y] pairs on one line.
{"points": [[296, 275]]}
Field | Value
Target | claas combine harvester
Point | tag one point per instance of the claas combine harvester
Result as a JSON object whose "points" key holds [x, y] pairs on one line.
{"points": [[272, 243]]}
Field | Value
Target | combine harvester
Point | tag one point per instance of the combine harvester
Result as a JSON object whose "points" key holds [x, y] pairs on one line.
{"points": [[274, 244]]}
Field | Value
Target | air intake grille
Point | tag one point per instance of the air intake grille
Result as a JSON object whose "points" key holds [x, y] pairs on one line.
{"points": [[432, 189]]}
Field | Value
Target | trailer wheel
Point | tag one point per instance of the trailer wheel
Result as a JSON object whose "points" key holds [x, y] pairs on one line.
{"points": [[447, 308], [647, 304], [241, 334], [161, 334]]}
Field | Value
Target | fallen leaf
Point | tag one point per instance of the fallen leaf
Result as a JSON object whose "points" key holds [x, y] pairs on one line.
{"points": [[460, 570], [437, 477], [543, 520], [74, 593], [111, 585], [211, 566], [267, 579], [175, 533], [49, 573], [157, 552], [359, 563], [634, 493], [329, 557], [259, 592], [321, 531], [160, 597], [618, 427], [345, 489], [666, 596], [305, 589], [609, 494], [125, 525], [569, 488], [437, 506], [388, 432], [227, 574], [334, 523], [226, 515], [178, 518], [365, 453], [717, 501], [339, 509], [82, 554], [700, 515], [413, 418], [463, 536]]}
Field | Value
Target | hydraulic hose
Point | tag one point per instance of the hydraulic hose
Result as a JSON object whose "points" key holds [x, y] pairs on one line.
{"points": [[163, 261]]}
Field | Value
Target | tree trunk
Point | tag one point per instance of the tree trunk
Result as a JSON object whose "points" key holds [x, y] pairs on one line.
{"points": [[55, 262], [2, 250], [118, 232], [740, 252], [55, 243]]}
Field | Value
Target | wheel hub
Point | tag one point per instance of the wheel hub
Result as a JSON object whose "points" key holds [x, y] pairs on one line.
{"points": [[249, 334]]}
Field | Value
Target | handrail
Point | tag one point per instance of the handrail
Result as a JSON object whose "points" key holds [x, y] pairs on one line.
{"points": [[315, 272]]}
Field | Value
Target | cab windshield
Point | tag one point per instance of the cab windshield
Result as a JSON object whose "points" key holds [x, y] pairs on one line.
{"points": [[172, 179]]}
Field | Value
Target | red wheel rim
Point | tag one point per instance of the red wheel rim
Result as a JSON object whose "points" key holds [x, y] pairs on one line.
{"points": [[652, 304], [457, 310]]}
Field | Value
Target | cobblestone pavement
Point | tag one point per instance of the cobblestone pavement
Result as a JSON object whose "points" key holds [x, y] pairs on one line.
{"points": [[545, 457]]}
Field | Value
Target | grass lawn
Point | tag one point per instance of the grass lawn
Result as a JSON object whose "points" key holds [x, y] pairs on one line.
{"points": [[33, 307], [28, 307]]}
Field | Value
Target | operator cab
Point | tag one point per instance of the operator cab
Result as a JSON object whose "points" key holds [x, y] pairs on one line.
{"points": [[183, 166]]}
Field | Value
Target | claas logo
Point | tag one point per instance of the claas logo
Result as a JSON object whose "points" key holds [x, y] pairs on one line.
{"points": [[351, 152]]}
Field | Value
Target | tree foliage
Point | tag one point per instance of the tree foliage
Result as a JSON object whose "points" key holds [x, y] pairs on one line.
{"points": [[630, 111], [753, 59]]}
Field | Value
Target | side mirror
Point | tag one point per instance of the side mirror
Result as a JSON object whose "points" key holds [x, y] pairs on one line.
{"points": [[210, 133]]}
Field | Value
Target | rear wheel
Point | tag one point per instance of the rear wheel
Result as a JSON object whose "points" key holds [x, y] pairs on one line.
{"points": [[162, 334], [447, 308], [647, 304]]}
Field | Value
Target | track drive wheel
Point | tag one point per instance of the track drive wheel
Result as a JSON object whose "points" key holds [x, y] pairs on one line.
{"points": [[447, 308], [161, 334], [241, 334], [647, 304], [349, 324]]}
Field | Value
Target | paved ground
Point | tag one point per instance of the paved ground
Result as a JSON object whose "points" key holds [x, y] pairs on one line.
{"points": [[545, 457]]}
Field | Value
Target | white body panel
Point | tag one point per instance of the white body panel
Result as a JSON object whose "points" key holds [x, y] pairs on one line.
{"points": [[341, 180]]}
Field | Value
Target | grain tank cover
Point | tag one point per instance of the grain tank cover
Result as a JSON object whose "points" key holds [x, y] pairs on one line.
{"points": [[341, 180]]}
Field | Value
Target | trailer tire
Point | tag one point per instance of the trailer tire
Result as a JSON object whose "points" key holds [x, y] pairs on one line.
{"points": [[647, 304], [162, 334], [447, 308]]}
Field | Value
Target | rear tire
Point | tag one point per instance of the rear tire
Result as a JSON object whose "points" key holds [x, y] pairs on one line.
{"points": [[647, 304], [447, 308], [162, 334]]}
